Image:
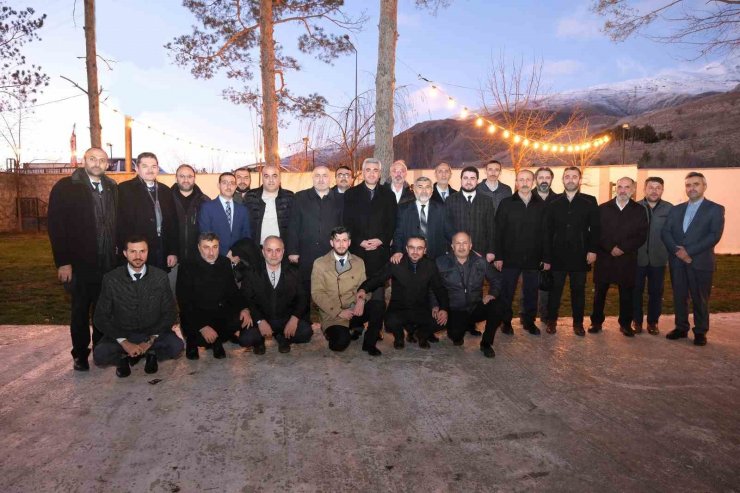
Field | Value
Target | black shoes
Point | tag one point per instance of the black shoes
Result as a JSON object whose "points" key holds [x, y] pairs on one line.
{"points": [[81, 364], [355, 333], [626, 330], [398, 343], [552, 327], [532, 329], [458, 342], [424, 344], [594, 329], [487, 351], [637, 327], [259, 349], [191, 351], [700, 340], [372, 351], [218, 350], [578, 330], [676, 334], [411, 337], [151, 365], [475, 332], [123, 369], [433, 338], [507, 328], [653, 329], [283, 347]]}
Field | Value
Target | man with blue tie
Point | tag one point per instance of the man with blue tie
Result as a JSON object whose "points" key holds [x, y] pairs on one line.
{"points": [[225, 217], [690, 233]]}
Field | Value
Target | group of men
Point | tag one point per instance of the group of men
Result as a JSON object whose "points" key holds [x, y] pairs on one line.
{"points": [[247, 265]]}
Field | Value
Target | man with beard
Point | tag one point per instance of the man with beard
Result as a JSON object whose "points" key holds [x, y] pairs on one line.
{"points": [[243, 182], [572, 230], [343, 179], [401, 190], [146, 207], [492, 186], [422, 218], [188, 198], [442, 188], [624, 229], [226, 218], [269, 206], [652, 258], [135, 313], [413, 278], [519, 249], [82, 226]]}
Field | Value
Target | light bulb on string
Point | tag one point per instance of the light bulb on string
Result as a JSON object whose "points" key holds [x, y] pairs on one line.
{"points": [[479, 122], [491, 128], [506, 134]]}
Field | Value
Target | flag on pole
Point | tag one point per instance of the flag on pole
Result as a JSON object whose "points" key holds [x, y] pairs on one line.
{"points": [[73, 147]]}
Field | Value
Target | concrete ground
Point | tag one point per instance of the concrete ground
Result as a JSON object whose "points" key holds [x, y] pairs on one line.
{"points": [[549, 413]]}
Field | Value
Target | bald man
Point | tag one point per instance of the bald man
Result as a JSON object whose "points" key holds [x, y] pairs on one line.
{"points": [[269, 206]]}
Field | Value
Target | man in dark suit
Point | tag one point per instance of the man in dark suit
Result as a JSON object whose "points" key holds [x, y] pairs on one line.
{"points": [[543, 178], [269, 206], [442, 189], [225, 217], [624, 229], [401, 190], [82, 226], [413, 278], [146, 207], [423, 218], [690, 233]]}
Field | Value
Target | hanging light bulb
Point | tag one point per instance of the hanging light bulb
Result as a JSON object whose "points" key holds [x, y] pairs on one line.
{"points": [[479, 122], [491, 128], [506, 134]]}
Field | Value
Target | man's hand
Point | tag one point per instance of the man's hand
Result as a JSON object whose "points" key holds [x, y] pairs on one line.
{"points": [[209, 334], [291, 327], [265, 328], [293, 259], [133, 350], [546, 266], [617, 252], [440, 316], [490, 257], [359, 308], [590, 258], [488, 298], [361, 295], [347, 314], [171, 260], [499, 264], [246, 317], [64, 273], [233, 258], [396, 258], [144, 346], [683, 254]]}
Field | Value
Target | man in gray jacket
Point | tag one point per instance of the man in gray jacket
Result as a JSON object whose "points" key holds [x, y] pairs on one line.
{"points": [[652, 258]]}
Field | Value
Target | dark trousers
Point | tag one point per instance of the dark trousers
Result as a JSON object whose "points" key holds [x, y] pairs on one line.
{"points": [[577, 295], [625, 304], [84, 297], [530, 286], [460, 321], [418, 321], [109, 352], [339, 336], [697, 284], [224, 325], [655, 277], [253, 337], [543, 298]]}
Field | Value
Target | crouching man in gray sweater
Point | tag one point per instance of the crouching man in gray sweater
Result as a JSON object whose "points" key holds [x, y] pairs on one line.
{"points": [[135, 313]]}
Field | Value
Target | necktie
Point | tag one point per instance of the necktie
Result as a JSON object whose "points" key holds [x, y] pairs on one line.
{"points": [[272, 275], [413, 267], [470, 199], [423, 222], [372, 194], [152, 189], [444, 196], [228, 212], [341, 262], [96, 185], [137, 275]]}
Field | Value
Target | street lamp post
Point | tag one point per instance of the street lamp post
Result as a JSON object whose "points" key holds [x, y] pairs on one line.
{"points": [[625, 127], [354, 136], [110, 148]]}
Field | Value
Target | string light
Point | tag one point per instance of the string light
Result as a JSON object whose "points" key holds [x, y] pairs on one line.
{"points": [[479, 122]]}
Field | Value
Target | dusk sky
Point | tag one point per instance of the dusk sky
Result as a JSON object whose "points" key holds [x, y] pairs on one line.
{"points": [[453, 48]]}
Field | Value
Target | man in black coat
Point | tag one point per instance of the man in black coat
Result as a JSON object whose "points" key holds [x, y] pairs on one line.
{"points": [[519, 249], [423, 218], [316, 212], [624, 229], [442, 189], [473, 212], [276, 301], [269, 206], [243, 182], [413, 278], [82, 225], [188, 198], [146, 207], [492, 187], [401, 189], [572, 230], [211, 306]]}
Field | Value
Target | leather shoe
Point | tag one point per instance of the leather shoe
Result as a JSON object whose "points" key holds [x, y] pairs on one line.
{"points": [[475, 332], [398, 343], [354, 334], [410, 337], [552, 327], [676, 334], [458, 342], [700, 340], [594, 329], [259, 349], [626, 331], [283, 347], [123, 369], [653, 329], [218, 350], [424, 344], [507, 328], [532, 329], [578, 330], [433, 338], [487, 351], [81, 364], [637, 327], [191, 352], [151, 365], [372, 351]]}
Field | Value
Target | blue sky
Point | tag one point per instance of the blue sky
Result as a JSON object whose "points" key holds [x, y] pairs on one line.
{"points": [[454, 48]]}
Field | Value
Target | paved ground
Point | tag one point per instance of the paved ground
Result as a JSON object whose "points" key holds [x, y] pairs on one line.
{"points": [[554, 413]]}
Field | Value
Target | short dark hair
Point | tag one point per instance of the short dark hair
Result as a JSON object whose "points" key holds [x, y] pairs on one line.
{"points": [[494, 161], [416, 237], [544, 169], [243, 168], [184, 166], [208, 236], [136, 238], [226, 173], [146, 154], [471, 169], [656, 179], [695, 174], [344, 166], [573, 168], [339, 230]]}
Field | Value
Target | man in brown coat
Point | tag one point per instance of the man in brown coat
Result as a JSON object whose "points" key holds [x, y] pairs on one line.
{"points": [[624, 229]]}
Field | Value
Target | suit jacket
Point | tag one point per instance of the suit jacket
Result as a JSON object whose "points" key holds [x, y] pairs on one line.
{"points": [[136, 216], [406, 196], [410, 288], [476, 219], [520, 235], [286, 299], [626, 229], [333, 292], [699, 240], [439, 232], [653, 252], [437, 197], [572, 230], [212, 218], [256, 208], [367, 219]]}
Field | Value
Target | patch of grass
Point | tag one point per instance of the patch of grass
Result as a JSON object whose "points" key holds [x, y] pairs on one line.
{"points": [[31, 294]]}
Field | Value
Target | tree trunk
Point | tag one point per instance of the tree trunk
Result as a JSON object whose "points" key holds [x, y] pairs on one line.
{"points": [[93, 93], [385, 82], [269, 98]]}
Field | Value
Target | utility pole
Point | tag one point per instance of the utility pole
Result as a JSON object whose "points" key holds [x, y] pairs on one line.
{"points": [[91, 63], [127, 142], [625, 127]]}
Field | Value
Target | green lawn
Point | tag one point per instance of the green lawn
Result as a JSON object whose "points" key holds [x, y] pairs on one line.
{"points": [[31, 294]]}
